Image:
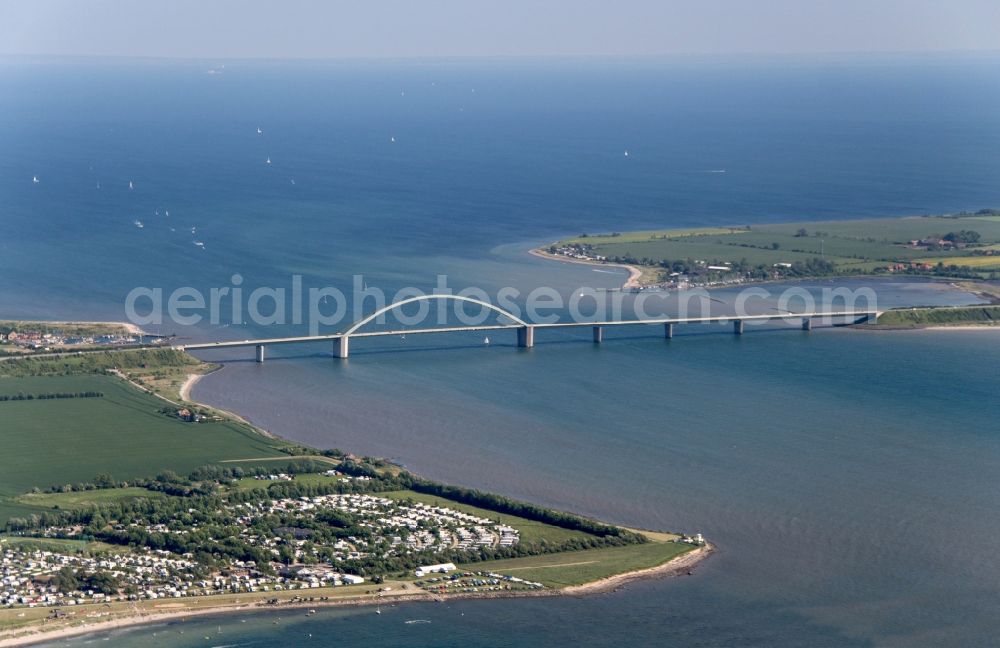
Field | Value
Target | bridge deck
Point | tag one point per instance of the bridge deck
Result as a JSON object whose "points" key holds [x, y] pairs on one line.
{"points": [[722, 319]]}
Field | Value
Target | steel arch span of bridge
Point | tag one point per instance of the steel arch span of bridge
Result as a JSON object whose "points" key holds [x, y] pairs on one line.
{"points": [[525, 330]]}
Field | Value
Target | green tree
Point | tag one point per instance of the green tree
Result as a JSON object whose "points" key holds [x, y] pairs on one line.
{"points": [[66, 581]]}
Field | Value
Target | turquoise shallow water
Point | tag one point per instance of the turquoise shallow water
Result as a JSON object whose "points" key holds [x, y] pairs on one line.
{"points": [[847, 477]]}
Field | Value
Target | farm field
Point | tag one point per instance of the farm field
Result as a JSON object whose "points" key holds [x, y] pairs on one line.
{"points": [[122, 433], [83, 499], [984, 262], [845, 247], [576, 567]]}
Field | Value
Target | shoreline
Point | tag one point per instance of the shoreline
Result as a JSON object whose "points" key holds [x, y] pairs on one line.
{"points": [[634, 272], [978, 287], [185, 390], [985, 326], [184, 393], [678, 566], [34, 632]]}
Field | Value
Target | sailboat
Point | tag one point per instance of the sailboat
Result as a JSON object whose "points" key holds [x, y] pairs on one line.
{"points": [[392, 139], [269, 159], [130, 185], [259, 131], [486, 340], [35, 179]]}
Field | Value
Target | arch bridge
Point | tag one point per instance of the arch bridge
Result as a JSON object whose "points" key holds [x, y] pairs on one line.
{"points": [[525, 330]]}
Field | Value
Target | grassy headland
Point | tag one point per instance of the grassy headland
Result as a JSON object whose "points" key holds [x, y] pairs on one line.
{"points": [[101, 467], [961, 245], [953, 316]]}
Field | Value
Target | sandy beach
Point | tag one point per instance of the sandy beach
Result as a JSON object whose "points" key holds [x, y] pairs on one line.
{"points": [[185, 390], [634, 273], [677, 567]]}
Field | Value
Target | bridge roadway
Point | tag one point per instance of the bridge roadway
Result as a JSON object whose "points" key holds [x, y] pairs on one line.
{"points": [[525, 330]]}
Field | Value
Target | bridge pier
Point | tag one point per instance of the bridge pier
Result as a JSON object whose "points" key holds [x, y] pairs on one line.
{"points": [[341, 347], [668, 330], [598, 334], [526, 337], [807, 323], [738, 327], [872, 318]]}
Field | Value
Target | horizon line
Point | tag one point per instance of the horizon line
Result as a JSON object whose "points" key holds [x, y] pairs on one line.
{"points": [[611, 57]]}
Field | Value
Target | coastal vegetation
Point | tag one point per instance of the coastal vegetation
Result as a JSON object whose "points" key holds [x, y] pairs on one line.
{"points": [[578, 567], [64, 329], [965, 245], [23, 337], [940, 316], [109, 500]]}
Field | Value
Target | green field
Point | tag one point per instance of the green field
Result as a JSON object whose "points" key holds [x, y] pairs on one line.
{"points": [[712, 249], [83, 499], [53, 442], [980, 262], [28, 503], [249, 483], [56, 544], [853, 246], [894, 229], [576, 567], [917, 317], [633, 237], [146, 362], [530, 530]]}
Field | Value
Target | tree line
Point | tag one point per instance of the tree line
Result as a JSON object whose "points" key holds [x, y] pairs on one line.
{"points": [[20, 396], [212, 535]]}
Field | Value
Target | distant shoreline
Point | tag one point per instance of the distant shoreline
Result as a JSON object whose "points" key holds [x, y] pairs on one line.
{"points": [[129, 327], [980, 288], [955, 246], [677, 566]]}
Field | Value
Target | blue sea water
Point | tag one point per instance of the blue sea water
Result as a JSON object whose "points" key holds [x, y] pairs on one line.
{"points": [[847, 477]]}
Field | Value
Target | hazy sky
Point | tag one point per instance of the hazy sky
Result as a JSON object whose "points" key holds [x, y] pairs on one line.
{"points": [[430, 28]]}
